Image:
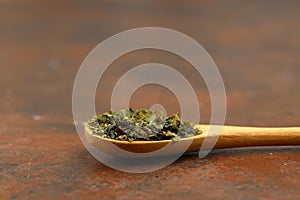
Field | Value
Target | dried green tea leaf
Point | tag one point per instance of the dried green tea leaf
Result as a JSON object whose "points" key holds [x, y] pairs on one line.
{"points": [[141, 125]]}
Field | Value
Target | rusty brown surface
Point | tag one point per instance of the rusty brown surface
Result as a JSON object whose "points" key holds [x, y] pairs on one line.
{"points": [[255, 45]]}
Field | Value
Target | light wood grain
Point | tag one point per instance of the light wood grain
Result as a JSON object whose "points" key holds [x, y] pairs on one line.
{"points": [[226, 137]]}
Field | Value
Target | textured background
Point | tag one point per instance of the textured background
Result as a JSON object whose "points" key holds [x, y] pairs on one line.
{"points": [[255, 44]]}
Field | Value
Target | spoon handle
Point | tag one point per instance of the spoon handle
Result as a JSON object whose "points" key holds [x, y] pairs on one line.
{"points": [[236, 136]]}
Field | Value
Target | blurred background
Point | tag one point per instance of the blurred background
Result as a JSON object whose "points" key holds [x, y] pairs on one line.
{"points": [[255, 44]]}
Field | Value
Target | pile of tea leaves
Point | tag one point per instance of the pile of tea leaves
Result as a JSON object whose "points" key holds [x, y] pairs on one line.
{"points": [[141, 125]]}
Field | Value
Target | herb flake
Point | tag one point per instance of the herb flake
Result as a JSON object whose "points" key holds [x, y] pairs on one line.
{"points": [[141, 125]]}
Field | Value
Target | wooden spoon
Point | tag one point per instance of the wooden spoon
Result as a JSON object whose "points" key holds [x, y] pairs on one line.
{"points": [[230, 137]]}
